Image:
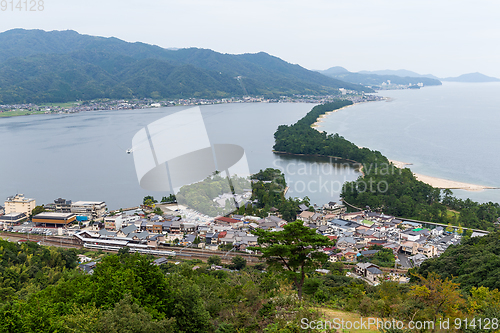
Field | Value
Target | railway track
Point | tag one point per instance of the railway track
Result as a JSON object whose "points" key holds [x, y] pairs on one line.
{"points": [[180, 252]]}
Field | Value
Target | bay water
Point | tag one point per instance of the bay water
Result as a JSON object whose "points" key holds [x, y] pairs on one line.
{"points": [[449, 131], [83, 156]]}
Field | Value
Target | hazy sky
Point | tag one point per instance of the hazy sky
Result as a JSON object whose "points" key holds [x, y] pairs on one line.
{"points": [[442, 37]]}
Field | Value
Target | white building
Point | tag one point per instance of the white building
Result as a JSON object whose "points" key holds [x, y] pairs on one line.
{"points": [[437, 231], [119, 221], [19, 204], [92, 209]]}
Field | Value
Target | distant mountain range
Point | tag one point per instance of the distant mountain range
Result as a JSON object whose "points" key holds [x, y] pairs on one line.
{"points": [[472, 77], [334, 71], [377, 78], [400, 76], [58, 66], [399, 72]]}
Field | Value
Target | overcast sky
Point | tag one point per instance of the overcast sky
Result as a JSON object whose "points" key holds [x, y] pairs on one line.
{"points": [[441, 37]]}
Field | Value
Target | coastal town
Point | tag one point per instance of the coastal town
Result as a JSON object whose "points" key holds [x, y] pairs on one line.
{"points": [[249, 167], [7, 110], [370, 244], [161, 229]]}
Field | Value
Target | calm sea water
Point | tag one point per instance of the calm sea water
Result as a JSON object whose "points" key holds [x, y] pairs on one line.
{"points": [[83, 156], [450, 131]]}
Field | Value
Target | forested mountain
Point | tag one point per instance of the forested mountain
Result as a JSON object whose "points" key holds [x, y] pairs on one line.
{"points": [[375, 79], [57, 66]]}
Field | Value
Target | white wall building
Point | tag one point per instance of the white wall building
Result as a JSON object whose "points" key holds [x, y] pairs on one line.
{"points": [[19, 204], [119, 221], [92, 209]]}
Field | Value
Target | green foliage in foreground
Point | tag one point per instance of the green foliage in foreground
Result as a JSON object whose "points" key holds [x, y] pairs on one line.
{"points": [[293, 251], [28, 267], [127, 293], [128, 316], [114, 278]]}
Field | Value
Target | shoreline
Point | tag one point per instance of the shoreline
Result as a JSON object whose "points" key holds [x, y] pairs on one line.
{"points": [[113, 105], [321, 117], [436, 182], [442, 183], [336, 158]]}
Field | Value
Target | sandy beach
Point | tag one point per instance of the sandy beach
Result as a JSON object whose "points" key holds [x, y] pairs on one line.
{"points": [[320, 118], [443, 183], [433, 181]]}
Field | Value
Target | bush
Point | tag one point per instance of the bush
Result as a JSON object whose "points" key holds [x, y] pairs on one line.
{"points": [[238, 262], [214, 260]]}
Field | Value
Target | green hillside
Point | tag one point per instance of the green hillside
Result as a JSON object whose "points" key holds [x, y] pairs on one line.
{"points": [[58, 66], [474, 263]]}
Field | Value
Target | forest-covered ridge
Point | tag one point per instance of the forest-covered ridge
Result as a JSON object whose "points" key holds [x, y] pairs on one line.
{"points": [[59, 66]]}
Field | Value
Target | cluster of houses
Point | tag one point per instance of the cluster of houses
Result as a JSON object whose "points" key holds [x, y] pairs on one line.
{"points": [[354, 233], [152, 231]]}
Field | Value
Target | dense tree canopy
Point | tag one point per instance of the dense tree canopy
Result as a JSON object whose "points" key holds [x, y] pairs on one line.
{"points": [[61, 66], [27, 267], [474, 263], [200, 196], [268, 188], [293, 251], [127, 293], [383, 187]]}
